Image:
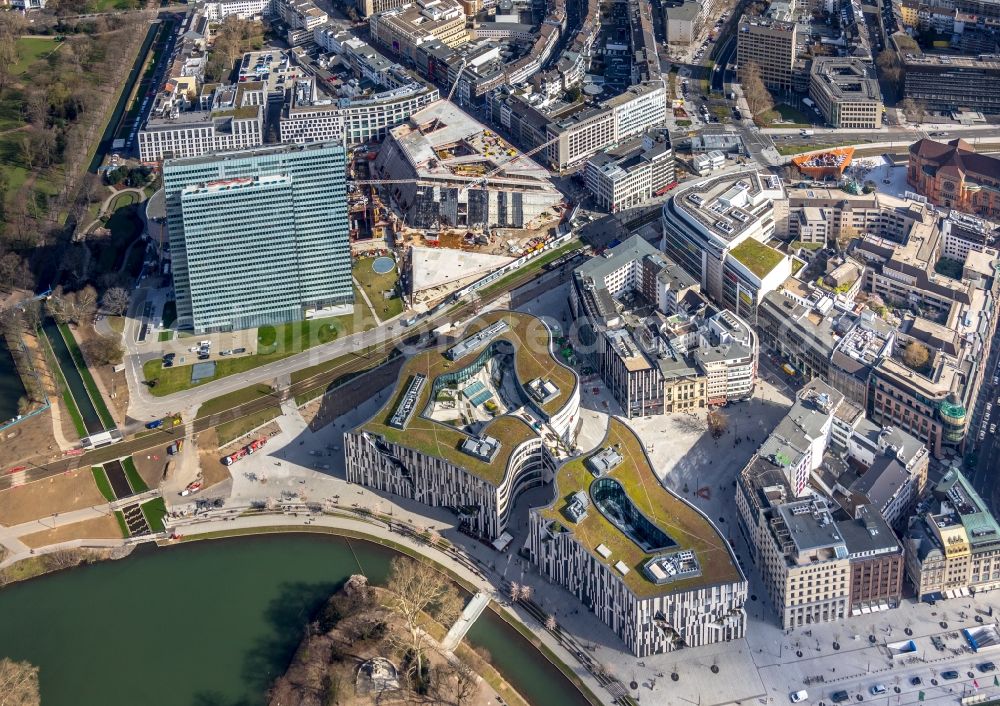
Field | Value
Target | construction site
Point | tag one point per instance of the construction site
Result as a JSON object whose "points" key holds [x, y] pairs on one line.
{"points": [[452, 198]]}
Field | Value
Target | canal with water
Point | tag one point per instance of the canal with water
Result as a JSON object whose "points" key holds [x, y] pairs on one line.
{"points": [[91, 420], [209, 623], [11, 389]]}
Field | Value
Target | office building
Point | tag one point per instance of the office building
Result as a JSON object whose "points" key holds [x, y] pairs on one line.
{"points": [[951, 82], [579, 136], [472, 425], [405, 28], [717, 230], [847, 92], [216, 10], [953, 545], [659, 346], [367, 8], [955, 176], [627, 177], [258, 237], [770, 43], [876, 560], [232, 119], [651, 566]]}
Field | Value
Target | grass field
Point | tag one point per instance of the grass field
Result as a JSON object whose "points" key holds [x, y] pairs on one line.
{"points": [[126, 198], [274, 343], [103, 484], [30, 50], [134, 479], [164, 336], [232, 399], [374, 285], [238, 427], [154, 511], [122, 524]]}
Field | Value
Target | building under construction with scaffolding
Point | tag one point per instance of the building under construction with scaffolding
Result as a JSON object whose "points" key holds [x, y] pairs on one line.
{"points": [[450, 171]]}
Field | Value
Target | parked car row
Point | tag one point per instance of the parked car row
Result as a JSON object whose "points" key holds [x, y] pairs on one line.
{"points": [[843, 696]]}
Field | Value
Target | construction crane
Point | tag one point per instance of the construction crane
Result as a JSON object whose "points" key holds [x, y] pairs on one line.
{"points": [[461, 68]]}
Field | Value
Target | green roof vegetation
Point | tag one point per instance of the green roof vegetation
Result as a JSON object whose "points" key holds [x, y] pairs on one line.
{"points": [[533, 359], [689, 528], [757, 257]]}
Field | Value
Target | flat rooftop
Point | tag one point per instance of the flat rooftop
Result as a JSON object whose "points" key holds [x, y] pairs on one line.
{"points": [[725, 205], [443, 141], [533, 359], [685, 527]]}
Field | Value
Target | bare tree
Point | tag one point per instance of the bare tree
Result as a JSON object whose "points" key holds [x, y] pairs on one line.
{"points": [[759, 99], [115, 301], [103, 350], [915, 110], [550, 623], [416, 590], [57, 307], [18, 683], [515, 591], [916, 355], [718, 423], [84, 304], [466, 683]]}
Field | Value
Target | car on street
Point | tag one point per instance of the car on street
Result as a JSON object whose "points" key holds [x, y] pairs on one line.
{"points": [[949, 674], [986, 667], [916, 681], [877, 690], [839, 697], [797, 697], [203, 356]]}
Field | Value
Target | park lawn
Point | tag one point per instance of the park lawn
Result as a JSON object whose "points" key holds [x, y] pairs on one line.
{"points": [[375, 284], [788, 150], [134, 479], [535, 264], [234, 399], [273, 343], [125, 226], [88, 380], [116, 323], [164, 336], [154, 511], [126, 198], [30, 50], [229, 431], [103, 484]]}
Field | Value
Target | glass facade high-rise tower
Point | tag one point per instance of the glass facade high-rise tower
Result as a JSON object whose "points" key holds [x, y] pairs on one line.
{"points": [[258, 237]]}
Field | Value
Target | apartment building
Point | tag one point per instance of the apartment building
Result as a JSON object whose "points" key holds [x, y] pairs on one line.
{"points": [[592, 130], [405, 28], [625, 178], [954, 175], [472, 425], [659, 346], [258, 237], [770, 43], [650, 565], [846, 91], [962, 234], [233, 120], [717, 229], [953, 544]]}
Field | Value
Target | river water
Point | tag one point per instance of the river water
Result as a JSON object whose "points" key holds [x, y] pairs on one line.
{"points": [[208, 623]]}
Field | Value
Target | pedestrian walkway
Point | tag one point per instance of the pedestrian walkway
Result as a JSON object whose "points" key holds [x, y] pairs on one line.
{"points": [[471, 613]]}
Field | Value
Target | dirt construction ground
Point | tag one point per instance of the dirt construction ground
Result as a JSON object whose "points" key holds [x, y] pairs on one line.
{"points": [[98, 528], [69, 491], [212, 470]]}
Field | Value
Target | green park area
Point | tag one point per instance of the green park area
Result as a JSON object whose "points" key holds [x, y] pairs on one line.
{"points": [[273, 343], [380, 288]]}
